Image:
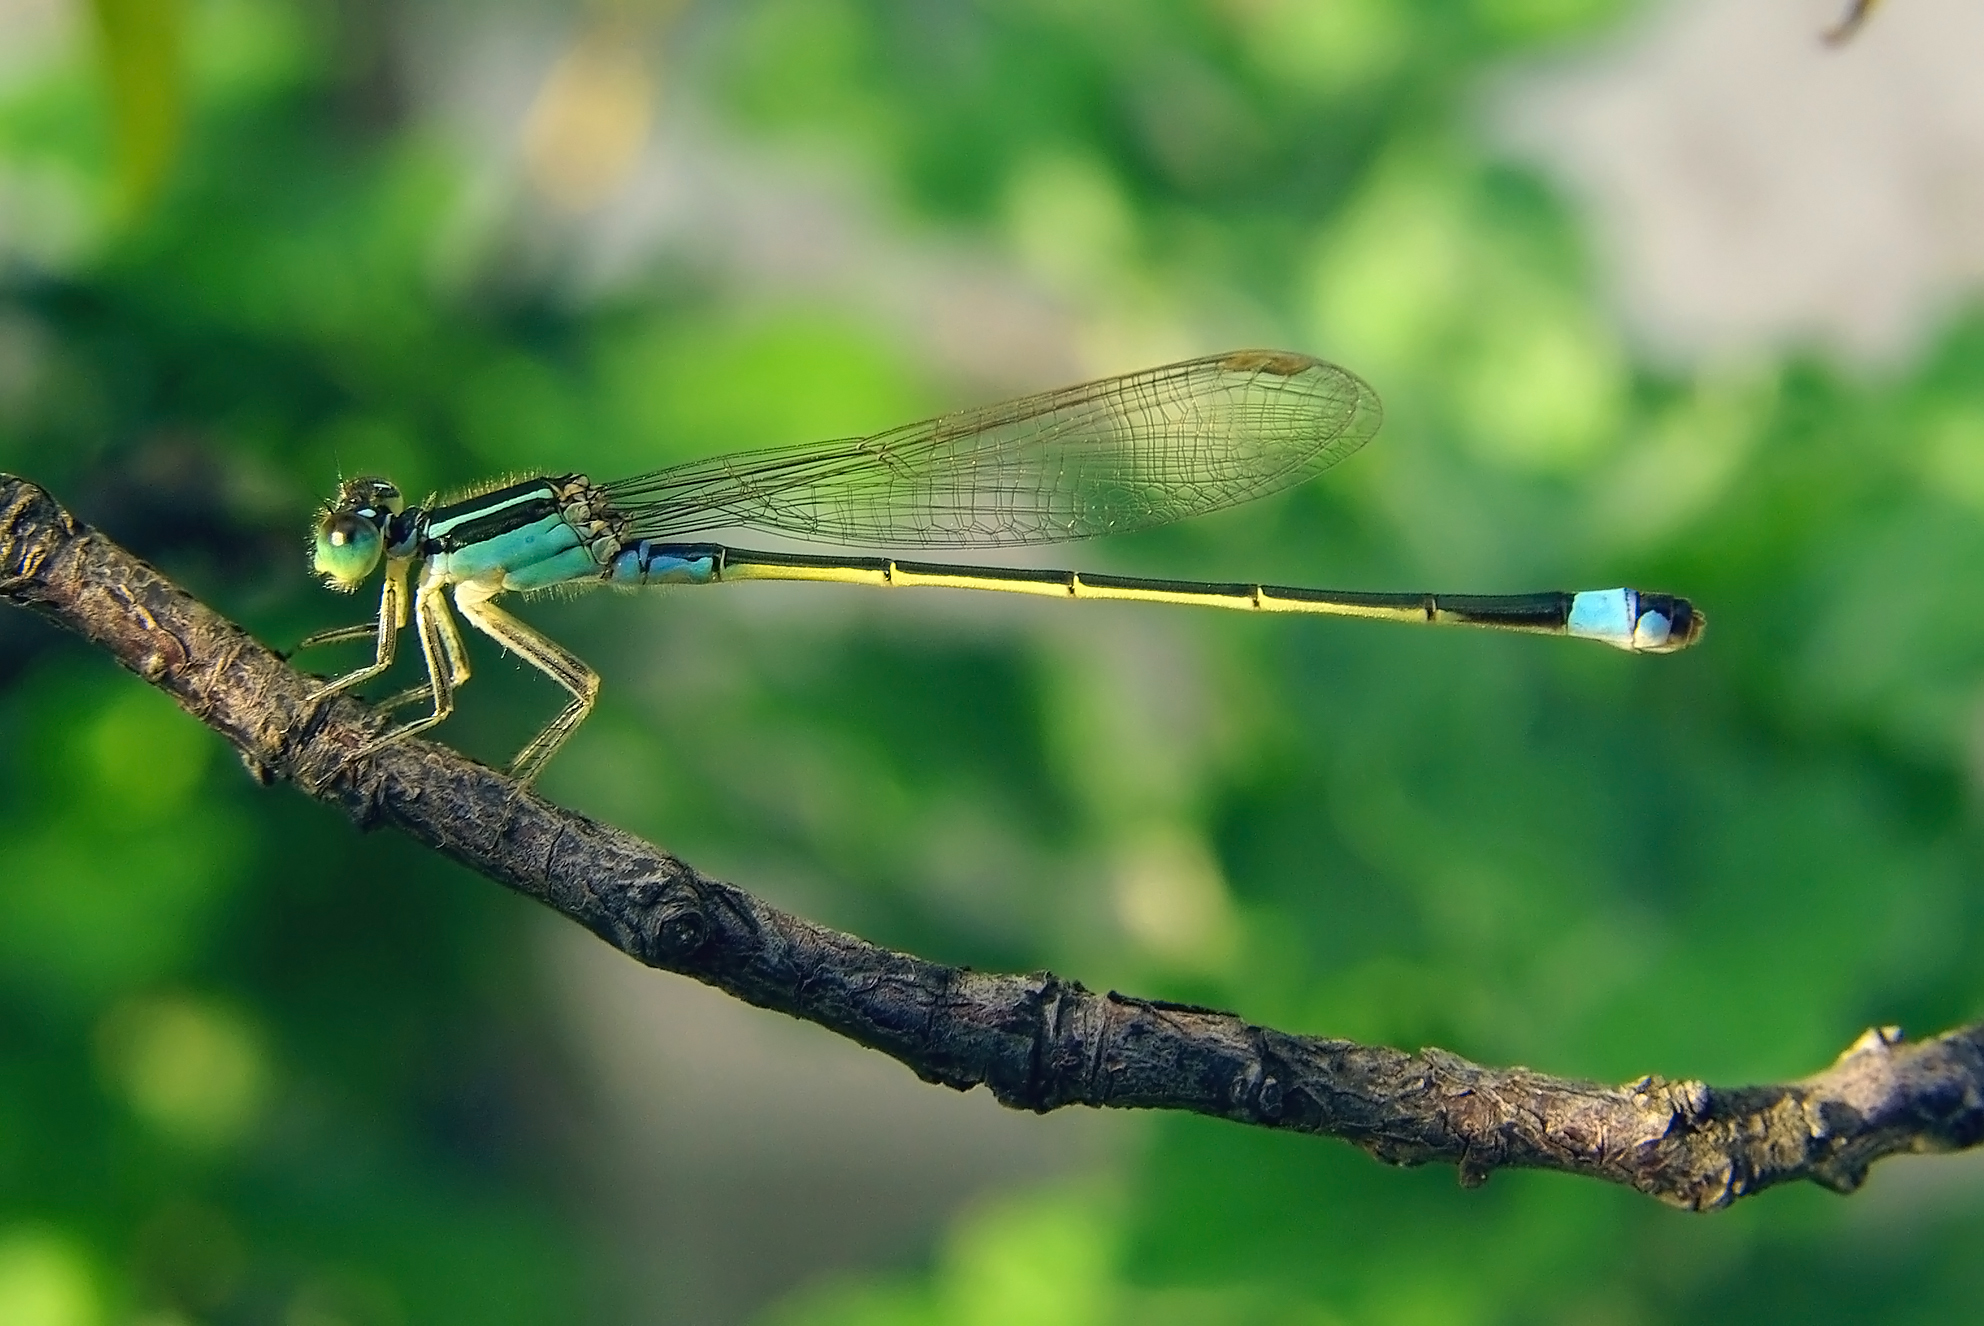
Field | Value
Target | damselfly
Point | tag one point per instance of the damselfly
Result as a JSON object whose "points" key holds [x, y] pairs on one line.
{"points": [[1125, 453]]}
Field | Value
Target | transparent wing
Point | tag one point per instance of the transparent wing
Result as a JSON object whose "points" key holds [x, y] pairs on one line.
{"points": [[1125, 453]]}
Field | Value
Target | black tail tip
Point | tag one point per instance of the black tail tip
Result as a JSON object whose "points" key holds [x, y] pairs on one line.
{"points": [[1685, 622]]}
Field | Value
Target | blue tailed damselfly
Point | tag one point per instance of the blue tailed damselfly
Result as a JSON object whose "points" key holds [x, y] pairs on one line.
{"points": [[1122, 454]]}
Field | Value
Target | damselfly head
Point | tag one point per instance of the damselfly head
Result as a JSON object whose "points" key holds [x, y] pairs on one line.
{"points": [[350, 532]]}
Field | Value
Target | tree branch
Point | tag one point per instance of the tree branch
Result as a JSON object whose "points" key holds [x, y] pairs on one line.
{"points": [[1037, 1041]]}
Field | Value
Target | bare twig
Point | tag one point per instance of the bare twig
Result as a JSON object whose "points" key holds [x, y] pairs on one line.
{"points": [[1037, 1041]]}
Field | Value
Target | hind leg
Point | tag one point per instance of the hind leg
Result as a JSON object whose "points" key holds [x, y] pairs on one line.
{"points": [[542, 653]]}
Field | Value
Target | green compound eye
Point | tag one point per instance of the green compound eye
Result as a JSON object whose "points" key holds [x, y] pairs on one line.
{"points": [[346, 549]]}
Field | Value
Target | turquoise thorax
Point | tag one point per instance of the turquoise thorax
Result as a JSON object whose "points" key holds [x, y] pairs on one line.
{"points": [[534, 535]]}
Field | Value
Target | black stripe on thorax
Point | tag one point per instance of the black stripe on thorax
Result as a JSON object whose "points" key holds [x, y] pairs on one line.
{"points": [[490, 515]]}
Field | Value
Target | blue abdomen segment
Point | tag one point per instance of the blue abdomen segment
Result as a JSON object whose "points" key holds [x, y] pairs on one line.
{"points": [[652, 563], [1627, 619]]}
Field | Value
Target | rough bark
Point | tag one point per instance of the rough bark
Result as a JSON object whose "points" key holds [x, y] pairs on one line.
{"points": [[1037, 1041]]}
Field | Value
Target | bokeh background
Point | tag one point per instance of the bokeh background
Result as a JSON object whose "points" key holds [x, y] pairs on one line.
{"points": [[1664, 294]]}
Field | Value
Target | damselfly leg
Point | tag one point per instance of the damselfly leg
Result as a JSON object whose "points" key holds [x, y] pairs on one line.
{"points": [[542, 653], [384, 631]]}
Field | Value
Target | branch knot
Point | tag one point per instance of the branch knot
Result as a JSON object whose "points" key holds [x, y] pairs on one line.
{"points": [[671, 919]]}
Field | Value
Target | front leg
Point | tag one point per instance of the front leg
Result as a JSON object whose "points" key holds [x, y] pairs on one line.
{"points": [[386, 632], [336, 636]]}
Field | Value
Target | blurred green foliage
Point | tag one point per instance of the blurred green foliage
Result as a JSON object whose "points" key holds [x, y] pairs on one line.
{"points": [[255, 1067]]}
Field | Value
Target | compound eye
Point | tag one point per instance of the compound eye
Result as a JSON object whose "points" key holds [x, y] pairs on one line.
{"points": [[346, 549]]}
